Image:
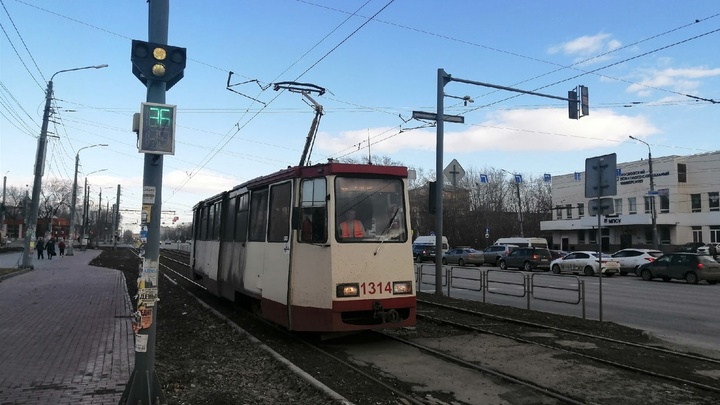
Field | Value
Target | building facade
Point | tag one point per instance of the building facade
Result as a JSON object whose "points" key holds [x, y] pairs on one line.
{"points": [[686, 198]]}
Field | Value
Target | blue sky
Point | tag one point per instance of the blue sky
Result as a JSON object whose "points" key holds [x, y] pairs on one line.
{"points": [[378, 60]]}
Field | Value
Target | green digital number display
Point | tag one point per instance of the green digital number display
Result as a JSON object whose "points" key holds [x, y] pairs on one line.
{"points": [[157, 128], [159, 117]]}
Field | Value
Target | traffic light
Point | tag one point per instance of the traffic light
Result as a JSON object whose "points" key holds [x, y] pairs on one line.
{"points": [[584, 101], [158, 62], [573, 105]]}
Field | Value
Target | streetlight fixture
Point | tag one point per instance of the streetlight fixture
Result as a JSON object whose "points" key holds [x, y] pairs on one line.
{"points": [[39, 167], [70, 250], [517, 189], [653, 212]]}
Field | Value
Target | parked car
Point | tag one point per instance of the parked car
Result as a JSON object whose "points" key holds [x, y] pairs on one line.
{"points": [[585, 262], [557, 254], [691, 267], [423, 253], [631, 259], [527, 258], [463, 256], [705, 250], [493, 254], [690, 247]]}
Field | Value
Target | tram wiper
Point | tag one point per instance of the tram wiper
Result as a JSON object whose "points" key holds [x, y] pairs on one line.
{"points": [[387, 227]]}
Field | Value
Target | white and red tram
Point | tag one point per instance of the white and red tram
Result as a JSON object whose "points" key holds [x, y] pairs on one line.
{"points": [[278, 240]]}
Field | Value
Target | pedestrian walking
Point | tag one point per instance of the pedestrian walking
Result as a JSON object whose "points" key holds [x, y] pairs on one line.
{"points": [[712, 251], [61, 247], [40, 247], [50, 247]]}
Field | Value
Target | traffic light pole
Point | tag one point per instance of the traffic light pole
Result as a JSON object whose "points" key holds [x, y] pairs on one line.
{"points": [[144, 385]]}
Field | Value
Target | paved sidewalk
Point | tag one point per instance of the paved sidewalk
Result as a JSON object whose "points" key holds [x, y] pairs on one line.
{"points": [[65, 332]]}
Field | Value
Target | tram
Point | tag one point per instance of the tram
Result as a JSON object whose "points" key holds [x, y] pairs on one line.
{"points": [[321, 248]]}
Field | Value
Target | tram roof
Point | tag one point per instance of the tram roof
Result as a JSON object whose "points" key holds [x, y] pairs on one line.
{"points": [[322, 169]]}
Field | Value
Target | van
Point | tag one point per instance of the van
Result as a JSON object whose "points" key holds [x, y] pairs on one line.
{"points": [[523, 242], [430, 240]]}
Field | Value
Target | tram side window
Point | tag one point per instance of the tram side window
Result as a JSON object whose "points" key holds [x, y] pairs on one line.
{"points": [[258, 217], [227, 222], [313, 208], [241, 218], [204, 214], [279, 226], [216, 221]]}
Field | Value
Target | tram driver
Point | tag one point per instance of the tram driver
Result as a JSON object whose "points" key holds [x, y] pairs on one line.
{"points": [[351, 227]]}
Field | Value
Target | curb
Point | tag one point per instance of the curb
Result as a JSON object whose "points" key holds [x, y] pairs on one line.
{"points": [[15, 273]]}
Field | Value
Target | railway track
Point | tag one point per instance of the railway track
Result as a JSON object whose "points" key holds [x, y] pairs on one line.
{"points": [[358, 365], [675, 366]]}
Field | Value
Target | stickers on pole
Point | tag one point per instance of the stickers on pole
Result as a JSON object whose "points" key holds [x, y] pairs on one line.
{"points": [[141, 343], [147, 296]]}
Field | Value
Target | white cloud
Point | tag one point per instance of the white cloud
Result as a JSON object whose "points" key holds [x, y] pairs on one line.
{"points": [[516, 130], [680, 80], [586, 46]]}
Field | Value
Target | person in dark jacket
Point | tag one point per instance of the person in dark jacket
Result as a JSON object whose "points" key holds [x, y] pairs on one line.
{"points": [[61, 247], [50, 247], [40, 247]]}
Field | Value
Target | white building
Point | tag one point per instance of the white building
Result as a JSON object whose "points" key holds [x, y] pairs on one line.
{"points": [[687, 206]]}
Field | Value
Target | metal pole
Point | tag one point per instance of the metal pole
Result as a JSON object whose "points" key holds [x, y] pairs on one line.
{"points": [[653, 212], [71, 240], [86, 206], [73, 207], [442, 79], [3, 232], [520, 214], [144, 387], [116, 218]]}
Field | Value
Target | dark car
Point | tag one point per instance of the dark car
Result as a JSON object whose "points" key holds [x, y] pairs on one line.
{"points": [[690, 247], [691, 267], [558, 254], [527, 258], [493, 254], [423, 253]]}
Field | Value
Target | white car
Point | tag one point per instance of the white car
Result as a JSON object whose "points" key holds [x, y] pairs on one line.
{"points": [[705, 250], [585, 262], [630, 259]]}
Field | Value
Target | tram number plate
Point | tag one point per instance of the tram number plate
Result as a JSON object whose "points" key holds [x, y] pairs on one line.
{"points": [[376, 288]]}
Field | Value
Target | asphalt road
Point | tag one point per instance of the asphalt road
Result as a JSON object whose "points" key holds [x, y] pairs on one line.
{"points": [[675, 311]]}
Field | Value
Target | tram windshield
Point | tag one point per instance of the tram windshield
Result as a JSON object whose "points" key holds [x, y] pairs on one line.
{"points": [[368, 210]]}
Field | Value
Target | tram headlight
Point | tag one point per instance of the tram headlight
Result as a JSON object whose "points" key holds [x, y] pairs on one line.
{"points": [[402, 287], [348, 290]]}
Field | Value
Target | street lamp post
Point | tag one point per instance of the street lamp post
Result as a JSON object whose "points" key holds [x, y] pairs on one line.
{"points": [[70, 250], [653, 212], [3, 233], [517, 189], [39, 168], [86, 208]]}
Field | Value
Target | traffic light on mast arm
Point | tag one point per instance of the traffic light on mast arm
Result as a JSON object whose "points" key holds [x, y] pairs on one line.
{"points": [[578, 108], [164, 63]]}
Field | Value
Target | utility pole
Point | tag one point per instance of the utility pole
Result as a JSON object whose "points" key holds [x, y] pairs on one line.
{"points": [[40, 170], [116, 218], [158, 66], [653, 212]]}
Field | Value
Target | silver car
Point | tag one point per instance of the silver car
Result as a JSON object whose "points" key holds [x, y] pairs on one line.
{"points": [[463, 256]]}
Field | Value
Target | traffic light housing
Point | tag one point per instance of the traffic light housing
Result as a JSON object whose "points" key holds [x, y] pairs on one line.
{"points": [[584, 101], [573, 105], [159, 62]]}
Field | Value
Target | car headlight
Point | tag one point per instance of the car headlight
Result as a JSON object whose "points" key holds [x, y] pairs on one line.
{"points": [[348, 290], [402, 287]]}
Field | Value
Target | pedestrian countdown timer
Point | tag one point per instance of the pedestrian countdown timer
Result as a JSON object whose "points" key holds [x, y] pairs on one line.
{"points": [[157, 129]]}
